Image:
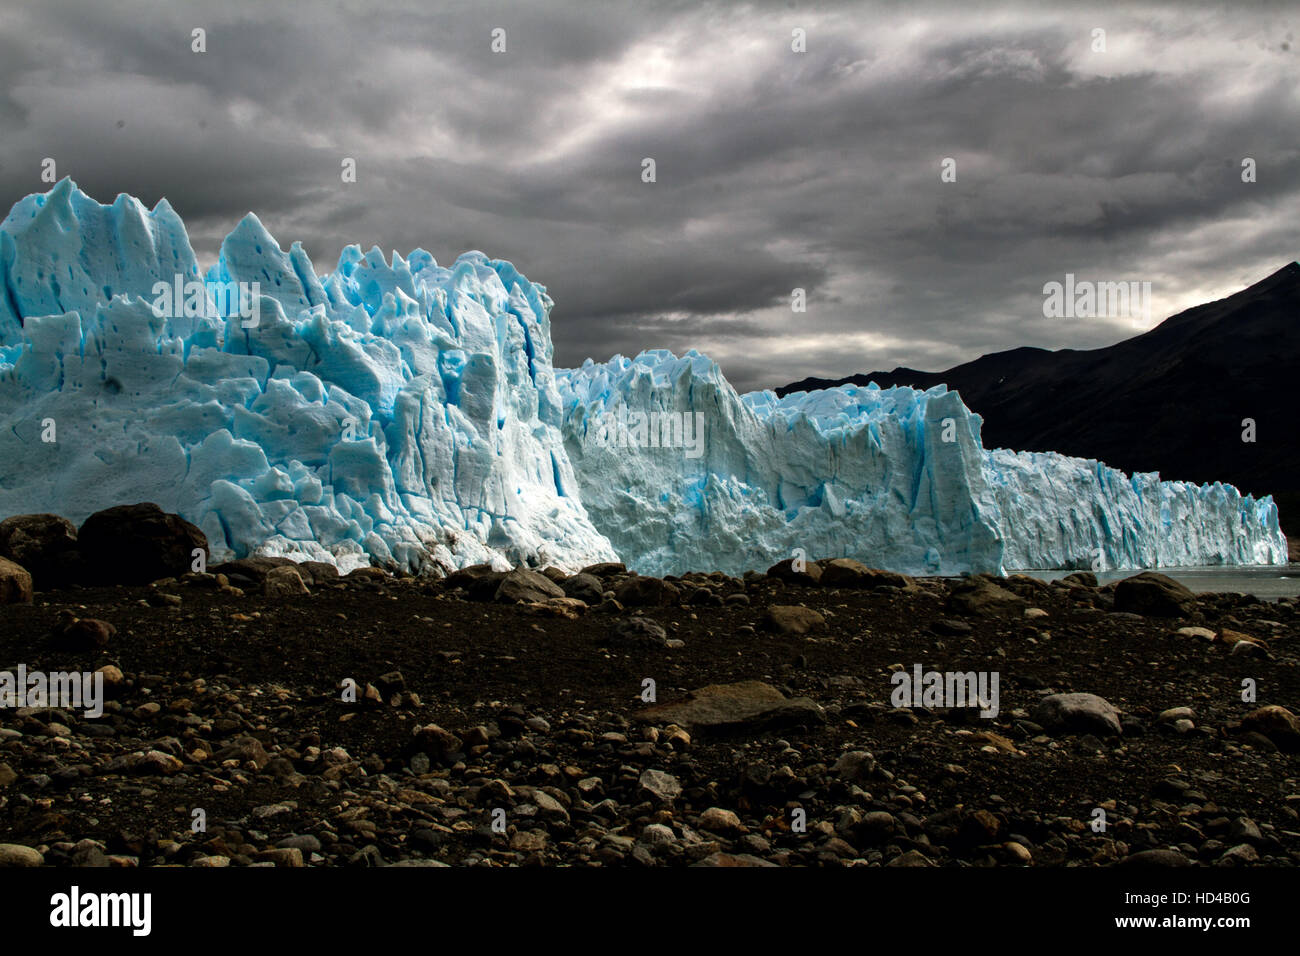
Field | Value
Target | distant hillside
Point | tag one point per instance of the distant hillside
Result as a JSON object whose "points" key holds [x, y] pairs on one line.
{"points": [[1170, 400]]}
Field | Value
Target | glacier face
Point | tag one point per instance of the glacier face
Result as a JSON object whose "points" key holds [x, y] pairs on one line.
{"points": [[400, 413], [846, 471], [389, 412], [1057, 512], [897, 478]]}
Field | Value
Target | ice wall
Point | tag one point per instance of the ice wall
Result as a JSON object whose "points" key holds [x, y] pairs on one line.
{"points": [[896, 478], [401, 413], [391, 412]]}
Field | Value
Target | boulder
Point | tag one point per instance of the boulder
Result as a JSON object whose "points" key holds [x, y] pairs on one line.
{"points": [[1154, 595], [283, 582], [245, 750], [638, 630], [44, 544], [465, 577], [981, 596], [847, 573], [366, 575], [114, 679], [1077, 714], [792, 620], [434, 742], [82, 634], [719, 820], [854, 766], [745, 706], [15, 854], [15, 583], [136, 544], [320, 572], [644, 592], [584, 587], [563, 607], [527, 586], [1277, 724], [809, 572], [659, 786], [480, 581]]}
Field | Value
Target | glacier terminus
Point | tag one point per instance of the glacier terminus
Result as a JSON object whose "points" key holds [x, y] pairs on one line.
{"points": [[400, 413]]}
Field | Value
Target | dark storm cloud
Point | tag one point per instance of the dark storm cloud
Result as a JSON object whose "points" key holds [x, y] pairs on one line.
{"points": [[775, 170]]}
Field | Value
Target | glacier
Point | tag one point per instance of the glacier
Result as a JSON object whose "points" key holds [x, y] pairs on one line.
{"points": [[399, 413], [392, 412], [897, 478]]}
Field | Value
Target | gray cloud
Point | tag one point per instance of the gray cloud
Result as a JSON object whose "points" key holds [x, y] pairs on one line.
{"points": [[775, 170]]}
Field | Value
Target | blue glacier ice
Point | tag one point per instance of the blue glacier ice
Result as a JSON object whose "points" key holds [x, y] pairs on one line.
{"points": [[400, 413], [392, 412], [896, 477]]}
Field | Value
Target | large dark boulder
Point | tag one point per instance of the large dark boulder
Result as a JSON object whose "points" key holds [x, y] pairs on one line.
{"points": [[521, 584], [642, 591], [805, 572], [1154, 595], [478, 579], [136, 544], [318, 572], [981, 596], [848, 573], [44, 544], [584, 587]]}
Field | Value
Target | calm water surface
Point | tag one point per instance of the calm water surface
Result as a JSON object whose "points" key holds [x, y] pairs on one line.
{"points": [[1265, 582]]}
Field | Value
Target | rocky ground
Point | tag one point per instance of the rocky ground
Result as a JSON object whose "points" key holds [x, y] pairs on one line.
{"points": [[504, 719]]}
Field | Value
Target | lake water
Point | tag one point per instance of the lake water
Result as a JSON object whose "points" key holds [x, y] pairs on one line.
{"points": [[1268, 582]]}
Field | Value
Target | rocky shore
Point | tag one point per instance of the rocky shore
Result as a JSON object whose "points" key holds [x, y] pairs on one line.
{"points": [[261, 713]]}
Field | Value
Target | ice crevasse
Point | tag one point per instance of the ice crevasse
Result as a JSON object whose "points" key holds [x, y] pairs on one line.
{"points": [[401, 413]]}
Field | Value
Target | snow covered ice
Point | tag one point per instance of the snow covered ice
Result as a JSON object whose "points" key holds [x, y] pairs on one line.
{"points": [[400, 413]]}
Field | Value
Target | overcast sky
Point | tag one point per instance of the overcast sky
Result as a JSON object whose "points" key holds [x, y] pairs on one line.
{"points": [[775, 169]]}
